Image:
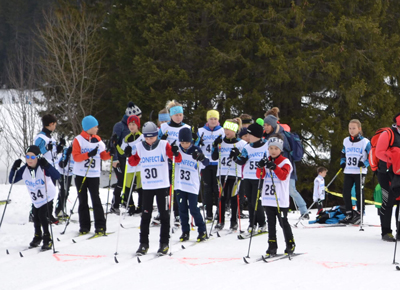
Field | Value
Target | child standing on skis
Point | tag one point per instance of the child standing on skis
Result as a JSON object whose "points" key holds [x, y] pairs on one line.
{"points": [[249, 157], [37, 174], [132, 174], [354, 161], [187, 184], [275, 193], [88, 150], [153, 155], [208, 134], [228, 173], [319, 187]]}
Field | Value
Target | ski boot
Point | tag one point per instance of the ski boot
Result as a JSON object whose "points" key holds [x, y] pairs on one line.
{"points": [[37, 239], [47, 242], [272, 248], [184, 236], [219, 227], [347, 219], [143, 248], [163, 250], [202, 237], [290, 247]]}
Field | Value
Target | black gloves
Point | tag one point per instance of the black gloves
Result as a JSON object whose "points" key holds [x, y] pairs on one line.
{"points": [[62, 141], [17, 164], [43, 162], [69, 151], [270, 165], [128, 151], [165, 136], [175, 149], [261, 164], [361, 164], [217, 141], [49, 147], [93, 152], [112, 151], [234, 153], [343, 165], [114, 140], [198, 156]]}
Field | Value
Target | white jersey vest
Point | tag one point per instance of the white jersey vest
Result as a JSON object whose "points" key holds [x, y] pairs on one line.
{"points": [[132, 169], [80, 168], [208, 139], [37, 187], [227, 166], [51, 156], [281, 188], [254, 155], [355, 151], [319, 188], [173, 132], [186, 174], [153, 165]]}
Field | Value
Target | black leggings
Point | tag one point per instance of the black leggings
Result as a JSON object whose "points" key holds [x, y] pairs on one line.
{"points": [[388, 200], [250, 187], [209, 177], [272, 215], [349, 181], [41, 219], [230, 182]]}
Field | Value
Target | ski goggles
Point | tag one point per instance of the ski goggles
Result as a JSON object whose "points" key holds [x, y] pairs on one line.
{"points": [[33, 157]]}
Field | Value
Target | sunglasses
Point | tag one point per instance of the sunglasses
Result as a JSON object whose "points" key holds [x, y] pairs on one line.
{"points": [[33, 157]]}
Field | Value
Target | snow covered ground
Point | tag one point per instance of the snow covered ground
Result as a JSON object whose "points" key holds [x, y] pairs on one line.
{"points": [[341, 257]]}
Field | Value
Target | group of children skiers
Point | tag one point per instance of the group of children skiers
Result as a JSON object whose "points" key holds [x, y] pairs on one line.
{"points": [[240, 158]]}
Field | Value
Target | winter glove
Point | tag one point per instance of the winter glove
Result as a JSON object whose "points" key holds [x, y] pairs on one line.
{"points": [[49, 147], [175, 149], [17, 164], [69, 151], [43, 162], [128, 151], [361, 164], [194, 136], [62, 163], [234, 153], [319, 201], [93, 152], [261, 164], [62, 141], [165, 136], [343, 165], [198, 156], [114, 140], [217, 141], [59, 148], [270, 165], [201, 143]]}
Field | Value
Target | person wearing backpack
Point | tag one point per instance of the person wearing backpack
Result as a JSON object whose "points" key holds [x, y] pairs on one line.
{"points": [[381, 144], [271, 126], [354, 161]]}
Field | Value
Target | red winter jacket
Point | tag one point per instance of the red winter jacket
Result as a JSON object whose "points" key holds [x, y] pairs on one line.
{"points": [[281, 172]]}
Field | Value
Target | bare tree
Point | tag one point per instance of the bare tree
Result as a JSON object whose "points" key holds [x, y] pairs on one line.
{"points": [[70, 62], [19, 108]]}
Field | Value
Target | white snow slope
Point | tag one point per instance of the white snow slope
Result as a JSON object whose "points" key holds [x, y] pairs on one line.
{"points": [[340, 257]]}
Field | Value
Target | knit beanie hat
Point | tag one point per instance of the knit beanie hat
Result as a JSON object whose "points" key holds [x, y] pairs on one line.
{"points": [[149, 129], [212, 114], [271, 120], [132, 109], [242, 132], [275, 141], [135, 119], [256, 130], [89, 122], [185, 135], [396, 119], [33, 149]]}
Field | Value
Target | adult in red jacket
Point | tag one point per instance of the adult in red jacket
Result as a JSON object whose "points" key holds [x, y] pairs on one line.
{"points": [[387, 155]]}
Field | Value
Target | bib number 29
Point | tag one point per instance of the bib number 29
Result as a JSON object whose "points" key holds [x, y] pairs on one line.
{"points": [[92, 165]]}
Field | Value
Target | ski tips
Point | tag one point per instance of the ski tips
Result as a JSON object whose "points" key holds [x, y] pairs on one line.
{"points": [[58, 239], [20, 254], [74, 241], [183, 247], [7, 252], [218, 235], [116, 260], [244, 259], [138, 260], [397, 268]]}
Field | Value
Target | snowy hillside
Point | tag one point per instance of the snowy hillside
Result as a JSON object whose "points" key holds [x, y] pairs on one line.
{"points": [[334, 257]]}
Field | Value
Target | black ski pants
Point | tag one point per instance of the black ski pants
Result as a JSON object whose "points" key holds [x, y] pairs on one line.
{"points": [[250, 188]]}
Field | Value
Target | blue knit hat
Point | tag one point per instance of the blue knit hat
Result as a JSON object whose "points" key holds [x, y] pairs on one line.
{"points": [[185, 135], [89, 122]]}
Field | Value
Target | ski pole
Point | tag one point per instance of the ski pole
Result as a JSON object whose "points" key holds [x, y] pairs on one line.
{"points": [[397, 233], [48, 212], [130, 192], [79, 191], [8, 198], [172, 193], [201, 191], [361, 202], [109, 185], [326, 187], [304, 214], [237, 197], [279, 209], [255, 210]]}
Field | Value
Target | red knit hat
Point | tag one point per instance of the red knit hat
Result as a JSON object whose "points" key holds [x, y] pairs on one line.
{"points": [[135, 119]]}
